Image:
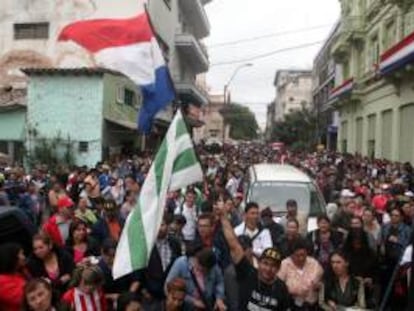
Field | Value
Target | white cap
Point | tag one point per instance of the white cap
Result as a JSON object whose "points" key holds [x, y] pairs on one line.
{"points": [[409, 194], [346, 193]]}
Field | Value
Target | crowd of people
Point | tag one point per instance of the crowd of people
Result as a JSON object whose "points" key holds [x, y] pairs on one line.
{"points": [[214, 250]]}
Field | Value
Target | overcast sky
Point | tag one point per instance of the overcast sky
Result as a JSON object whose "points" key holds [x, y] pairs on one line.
{"points": [[233, 20]]}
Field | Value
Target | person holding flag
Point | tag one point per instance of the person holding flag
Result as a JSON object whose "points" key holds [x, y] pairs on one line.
{"points": [[175, 166]]}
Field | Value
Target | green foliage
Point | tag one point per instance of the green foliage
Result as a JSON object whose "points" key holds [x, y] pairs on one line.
{"points": [[242, 121], [53, 152], [298, 130]]}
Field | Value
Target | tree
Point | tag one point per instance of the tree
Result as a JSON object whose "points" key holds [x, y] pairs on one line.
{"points": [[242, 121], [298, 130]]}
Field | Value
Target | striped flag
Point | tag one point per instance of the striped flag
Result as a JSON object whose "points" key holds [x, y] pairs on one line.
{"points": [[127, 44], [175, 166]]}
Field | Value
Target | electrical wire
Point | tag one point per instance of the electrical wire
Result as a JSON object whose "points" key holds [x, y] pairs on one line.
{"points": [[235, 42], [253, 58]]}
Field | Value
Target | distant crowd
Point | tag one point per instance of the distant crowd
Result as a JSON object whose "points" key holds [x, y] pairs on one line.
{"points": [[214, 250]]}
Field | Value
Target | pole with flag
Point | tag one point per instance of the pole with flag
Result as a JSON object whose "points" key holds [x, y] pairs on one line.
{"points": [[175, 166], [127, 44]]}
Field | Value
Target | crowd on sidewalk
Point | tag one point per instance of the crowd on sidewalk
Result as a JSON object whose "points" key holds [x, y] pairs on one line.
{"points": [[214, 250]]}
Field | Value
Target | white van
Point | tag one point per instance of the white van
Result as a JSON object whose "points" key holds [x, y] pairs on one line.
{"points": [[272, 185]]}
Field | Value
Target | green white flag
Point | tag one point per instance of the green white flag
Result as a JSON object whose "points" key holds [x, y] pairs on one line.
{"points": [[175, 166]]}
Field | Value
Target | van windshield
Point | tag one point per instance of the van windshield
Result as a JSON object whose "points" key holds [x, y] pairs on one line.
{"points": [[276, 194]]}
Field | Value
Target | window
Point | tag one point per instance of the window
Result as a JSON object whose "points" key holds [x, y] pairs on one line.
{"points": [[83, 146], [346, 71], [408, 23], [390, 34], [31, 31], [375, 51], [129, 98]]}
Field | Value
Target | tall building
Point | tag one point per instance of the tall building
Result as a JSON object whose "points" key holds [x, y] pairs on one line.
{"points": [[181, 25], [373, 50], [323, 83], [293, 91]]}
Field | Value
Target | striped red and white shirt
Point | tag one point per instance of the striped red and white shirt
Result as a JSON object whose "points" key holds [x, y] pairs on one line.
{"points": [[80, 301]]}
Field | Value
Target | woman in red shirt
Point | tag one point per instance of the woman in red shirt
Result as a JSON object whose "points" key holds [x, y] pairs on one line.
{"points": [[12, 260]]}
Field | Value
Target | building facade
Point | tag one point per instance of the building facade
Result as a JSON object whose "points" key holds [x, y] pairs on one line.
{"points": [[93, 110], [29, 31], [293, 91], [12, 123], [373, 88], [323, 83]]}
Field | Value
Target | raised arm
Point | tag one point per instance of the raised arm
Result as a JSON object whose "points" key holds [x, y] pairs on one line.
{"points": [[236, 250]]}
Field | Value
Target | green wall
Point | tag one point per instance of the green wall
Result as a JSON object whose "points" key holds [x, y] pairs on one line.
{"points": [[12, 124]]}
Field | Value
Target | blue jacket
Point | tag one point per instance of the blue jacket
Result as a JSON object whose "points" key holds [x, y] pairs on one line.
{"points": [[214, 283], [404, 234]]}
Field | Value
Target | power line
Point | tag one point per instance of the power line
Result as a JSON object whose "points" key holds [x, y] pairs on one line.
{"points": [[297, 47], [222, 44]]}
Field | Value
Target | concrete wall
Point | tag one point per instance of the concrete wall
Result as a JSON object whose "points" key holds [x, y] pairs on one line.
{"points": [[75, 111], [114, 109], [12, 125], [15, 54], [386, 104]]}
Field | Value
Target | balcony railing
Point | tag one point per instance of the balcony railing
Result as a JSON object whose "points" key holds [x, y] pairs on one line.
{"points": [[352, 28], [196, 15], [194, 51]]}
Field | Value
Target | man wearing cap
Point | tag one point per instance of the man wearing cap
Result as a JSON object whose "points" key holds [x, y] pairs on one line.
{"points": [[57, 227], [258, 289]]}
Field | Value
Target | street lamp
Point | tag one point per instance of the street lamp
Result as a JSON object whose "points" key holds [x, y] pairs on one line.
{"points": [[226, 87]]}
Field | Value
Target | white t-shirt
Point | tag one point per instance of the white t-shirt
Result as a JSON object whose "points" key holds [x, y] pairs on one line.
{"points": [[261, 241], [190, 214]]}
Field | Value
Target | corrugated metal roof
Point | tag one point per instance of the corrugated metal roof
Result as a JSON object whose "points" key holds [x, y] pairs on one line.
{"points": [[69, 71]]}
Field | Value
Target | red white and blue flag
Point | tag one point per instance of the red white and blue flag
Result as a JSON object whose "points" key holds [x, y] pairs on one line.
{"points": [[128, 45], [398, 56]]}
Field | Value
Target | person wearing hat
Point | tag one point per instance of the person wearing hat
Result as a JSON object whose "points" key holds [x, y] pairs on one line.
{"points": [[57, 226], [110, 225], [259, 289]]}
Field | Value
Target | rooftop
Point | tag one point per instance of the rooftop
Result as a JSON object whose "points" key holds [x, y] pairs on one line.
{"points": [[69, 71]]}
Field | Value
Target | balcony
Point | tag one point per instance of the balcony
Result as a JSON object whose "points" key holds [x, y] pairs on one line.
{"points": [[193, 51], [189, 92], [351, 30], [197, 17]]}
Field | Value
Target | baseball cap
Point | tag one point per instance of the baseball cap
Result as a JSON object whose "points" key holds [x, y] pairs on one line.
{"points": [[65, 201], [271, 253]]}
